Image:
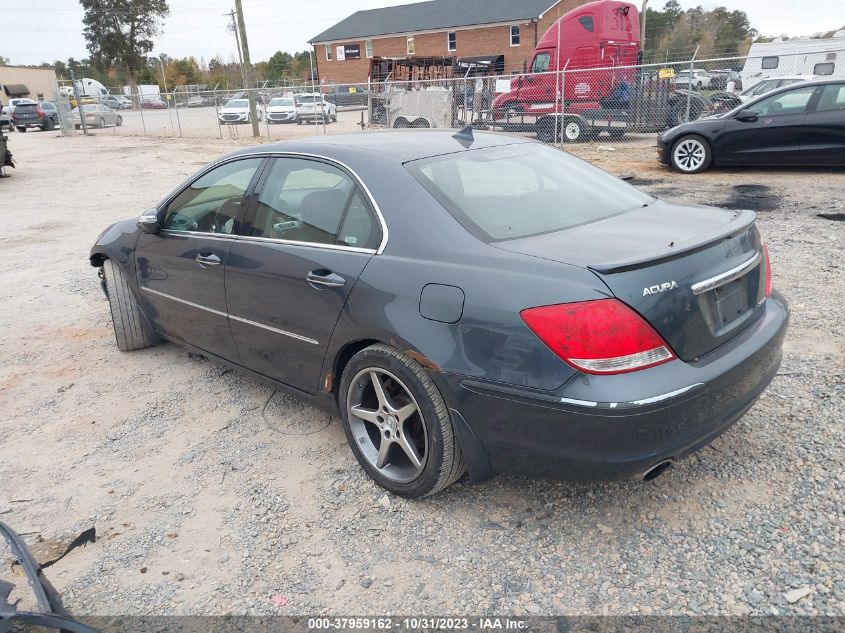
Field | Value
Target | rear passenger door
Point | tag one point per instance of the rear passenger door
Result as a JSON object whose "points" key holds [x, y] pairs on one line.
{"points": [[302, 247], [823, 136]]}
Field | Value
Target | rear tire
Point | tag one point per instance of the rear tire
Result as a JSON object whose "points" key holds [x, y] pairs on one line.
{"points": [[573, 131], [119, 121], [427, 427], [102, 123], [691, 154], [129, 333]]}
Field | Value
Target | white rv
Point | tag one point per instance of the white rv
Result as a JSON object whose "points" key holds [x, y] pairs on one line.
{"points": [[804, 56]]}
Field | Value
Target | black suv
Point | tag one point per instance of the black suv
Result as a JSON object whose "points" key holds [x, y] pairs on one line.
{"points": [[42, 115]]}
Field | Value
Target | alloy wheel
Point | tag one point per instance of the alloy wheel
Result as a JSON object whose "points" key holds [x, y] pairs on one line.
{"points": [[387, 424], [572, 131], [689, 154]]}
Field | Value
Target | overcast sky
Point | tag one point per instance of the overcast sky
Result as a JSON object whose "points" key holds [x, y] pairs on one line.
{"points": [[35, 31]]}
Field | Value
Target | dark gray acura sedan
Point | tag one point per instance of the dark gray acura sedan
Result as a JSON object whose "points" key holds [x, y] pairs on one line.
{"points": [[483, 304]]}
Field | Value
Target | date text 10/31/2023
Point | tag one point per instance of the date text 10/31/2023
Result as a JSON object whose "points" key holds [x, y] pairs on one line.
{"points": [[417, 624]]}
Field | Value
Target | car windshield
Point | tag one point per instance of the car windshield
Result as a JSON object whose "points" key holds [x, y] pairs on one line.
{"points": [[281, 102], [517, 191], [237, 103]]}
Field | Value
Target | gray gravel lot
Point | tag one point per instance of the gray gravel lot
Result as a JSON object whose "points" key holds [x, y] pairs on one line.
{"points": [[212, 495]]}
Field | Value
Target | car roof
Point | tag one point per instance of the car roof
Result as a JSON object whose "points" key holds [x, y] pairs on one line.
{"points": [[401, 146]]}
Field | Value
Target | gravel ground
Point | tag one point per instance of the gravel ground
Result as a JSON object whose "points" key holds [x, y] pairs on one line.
{"points": [[211, 494]]}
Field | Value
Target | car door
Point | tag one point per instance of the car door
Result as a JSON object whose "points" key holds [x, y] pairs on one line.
{"points": [[181, 269], [303, 244], [767, 132], [823, 136]]}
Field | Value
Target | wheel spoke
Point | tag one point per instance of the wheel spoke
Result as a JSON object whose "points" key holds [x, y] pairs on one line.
{"points": [[383, 451], [368, 415], [406, 412], [409, 448], [383, 398]]}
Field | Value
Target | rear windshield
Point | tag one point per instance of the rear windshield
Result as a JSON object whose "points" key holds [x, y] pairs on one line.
{"points": [[515, 191]]}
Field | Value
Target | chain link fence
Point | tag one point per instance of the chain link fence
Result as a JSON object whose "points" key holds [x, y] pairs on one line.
{"points": [[572, 105]]}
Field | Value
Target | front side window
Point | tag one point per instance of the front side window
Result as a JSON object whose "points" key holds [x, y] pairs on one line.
{"points": [[311, 201], [768, 63], [410, 46], [452, 41], [517, 191], [790, 102], [210, 203], [540, 63], [833, 98], [515, 35], [825, 68]]}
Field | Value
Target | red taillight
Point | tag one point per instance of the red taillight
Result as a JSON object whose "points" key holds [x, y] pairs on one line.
{"points": [[39, 111], [598, 337], [768, 271]]}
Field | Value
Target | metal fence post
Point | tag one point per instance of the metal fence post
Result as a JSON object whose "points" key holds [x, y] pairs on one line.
{"points": [[689, 88], [178, 120], [217, 113], [141, 109]]}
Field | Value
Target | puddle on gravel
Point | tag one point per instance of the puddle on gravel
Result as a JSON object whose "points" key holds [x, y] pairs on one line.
{"points": [[754, 197], [836, 217]]}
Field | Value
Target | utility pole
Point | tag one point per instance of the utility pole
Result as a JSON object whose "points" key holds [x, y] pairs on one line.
{"points": [[233, 27], [253, 111], [644, 16]]}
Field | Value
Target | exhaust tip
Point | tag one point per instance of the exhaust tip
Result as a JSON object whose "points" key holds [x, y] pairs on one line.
{"points": [[658, 469]]}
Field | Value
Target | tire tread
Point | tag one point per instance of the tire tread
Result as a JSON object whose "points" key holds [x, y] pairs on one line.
{"points": [[129, 331]]}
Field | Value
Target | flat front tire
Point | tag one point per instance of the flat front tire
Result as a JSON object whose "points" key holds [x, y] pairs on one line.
{"points": [[691, 154], [125, 314], [397, 423]]}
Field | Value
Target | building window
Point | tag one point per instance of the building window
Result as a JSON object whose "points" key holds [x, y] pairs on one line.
{"points": [[328, 52], [825, 68], [452, 41], [515, 35], [411, 45], [368, 48], [769, 63]]}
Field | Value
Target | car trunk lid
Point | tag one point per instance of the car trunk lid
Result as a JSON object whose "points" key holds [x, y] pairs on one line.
{"points": [[696, 274]]}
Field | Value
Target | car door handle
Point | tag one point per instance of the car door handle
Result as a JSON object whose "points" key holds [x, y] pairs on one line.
{"points": [[206, 260], [325, 278]]}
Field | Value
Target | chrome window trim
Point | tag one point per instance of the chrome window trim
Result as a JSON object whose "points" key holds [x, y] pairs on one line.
{"points": [[226, 237], [278, 240], [298, 337], [726, 277]]}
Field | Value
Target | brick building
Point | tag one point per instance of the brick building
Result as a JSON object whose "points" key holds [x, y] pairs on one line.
{"points": [[506, 29]]}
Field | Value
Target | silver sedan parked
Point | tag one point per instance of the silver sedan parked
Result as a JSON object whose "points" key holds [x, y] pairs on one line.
{"points": [[97, 115]]}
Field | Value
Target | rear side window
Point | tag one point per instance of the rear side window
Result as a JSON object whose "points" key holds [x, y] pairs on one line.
{"points": [[825, 68], [833, 98], [309, 201], [517, 191], [768, 63]]}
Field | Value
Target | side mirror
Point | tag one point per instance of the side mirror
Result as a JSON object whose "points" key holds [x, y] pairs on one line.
{"points": [[148, 222], [747, 116]]}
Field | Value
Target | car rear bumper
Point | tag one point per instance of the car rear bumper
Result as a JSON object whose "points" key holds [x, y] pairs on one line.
{"points": [[598, 428]]}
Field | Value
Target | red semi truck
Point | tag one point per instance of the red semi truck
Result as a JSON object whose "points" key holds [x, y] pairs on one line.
{"points": [[602, 35]]}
